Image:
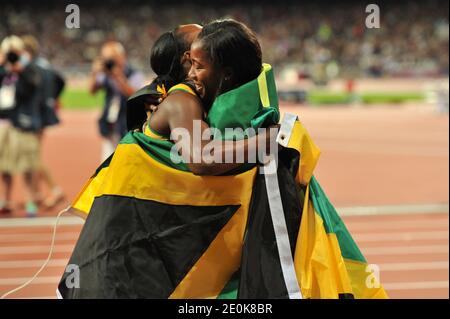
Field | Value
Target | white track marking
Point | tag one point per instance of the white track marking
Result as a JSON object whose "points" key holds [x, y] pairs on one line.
{"points": [[34, 263], [40, 221], [12, 250], [393, 210], [38, 297], [17, 237], [397, 225], [416, 285], [433, 265], [343, 211], [400, 236], [405, 250], [50, 280]]}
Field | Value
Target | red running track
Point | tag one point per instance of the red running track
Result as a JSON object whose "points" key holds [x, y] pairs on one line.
{"points": [[391, 155], [411, 253]]}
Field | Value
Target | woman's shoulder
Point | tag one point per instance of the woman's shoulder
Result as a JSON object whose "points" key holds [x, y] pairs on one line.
{"points": [[185, 86], [181, 99]]}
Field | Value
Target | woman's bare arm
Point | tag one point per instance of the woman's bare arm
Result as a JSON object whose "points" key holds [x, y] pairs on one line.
{"points": [[181, 112]]}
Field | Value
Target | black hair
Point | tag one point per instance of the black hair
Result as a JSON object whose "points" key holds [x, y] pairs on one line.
{"points": [[165, 60], [165, 57], [231, 44]]}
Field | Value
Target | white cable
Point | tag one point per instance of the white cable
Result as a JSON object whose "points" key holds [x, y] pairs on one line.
{"points": [[45, 263]]}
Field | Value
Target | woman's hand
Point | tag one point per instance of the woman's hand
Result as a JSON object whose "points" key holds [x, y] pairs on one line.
{"points": [[150, 108], [151, 104]]}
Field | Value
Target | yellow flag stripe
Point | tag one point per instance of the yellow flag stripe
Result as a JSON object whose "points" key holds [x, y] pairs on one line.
{"points": [[210, 274], [163, 184], [262, 85], [91, 189], [310, 153], [182, 87]]}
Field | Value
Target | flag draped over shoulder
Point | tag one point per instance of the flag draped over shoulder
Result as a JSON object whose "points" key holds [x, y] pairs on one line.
{"points": [[252, 105], [155, 230], [328, 262]]}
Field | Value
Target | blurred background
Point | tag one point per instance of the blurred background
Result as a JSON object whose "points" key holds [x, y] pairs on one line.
{"points": [[374, 100]]}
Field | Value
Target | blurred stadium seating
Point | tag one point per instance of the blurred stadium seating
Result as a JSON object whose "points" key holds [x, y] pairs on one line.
{"points": [[314, 40]]}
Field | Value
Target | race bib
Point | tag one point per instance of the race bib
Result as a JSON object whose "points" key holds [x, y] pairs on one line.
{"points": [[7, 97], [114, 108]]}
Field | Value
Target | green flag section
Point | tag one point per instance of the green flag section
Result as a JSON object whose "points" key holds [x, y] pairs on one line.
{"points": [[252, 105], [328, 262], [155, 230]]}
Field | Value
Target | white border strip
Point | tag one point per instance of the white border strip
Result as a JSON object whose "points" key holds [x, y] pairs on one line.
{"points": [[342, 211], [40, 221], [287, 125], [416, 285], [393, 210], [281, 233]]}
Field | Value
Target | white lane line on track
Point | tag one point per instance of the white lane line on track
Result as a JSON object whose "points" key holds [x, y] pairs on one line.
{"points": [[6, 238], [35, 249], [415, 285], [20, 264], [358, 236], [433, 265], [397, 225], [343, 211], [53, 280], [403, 236], [40, 221], [388, 286], [400, 250], [393, 210], [36, 297], [405, 250]]}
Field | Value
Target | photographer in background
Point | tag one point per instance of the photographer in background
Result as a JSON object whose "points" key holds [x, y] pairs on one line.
{"points": [[111, 73], [7, 100], [21, 95], [54, 86]]}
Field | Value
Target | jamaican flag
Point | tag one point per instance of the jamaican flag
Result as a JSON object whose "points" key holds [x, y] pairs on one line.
{"points": [[155, 230], [327, 262]]}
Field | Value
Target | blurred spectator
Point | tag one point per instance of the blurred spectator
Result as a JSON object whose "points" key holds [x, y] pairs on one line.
{"points": [[22, 87], [112, 73], [54, 85]]}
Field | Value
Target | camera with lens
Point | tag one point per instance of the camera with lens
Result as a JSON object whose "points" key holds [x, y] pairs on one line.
{"points": [[109, 65], [12, 57]]}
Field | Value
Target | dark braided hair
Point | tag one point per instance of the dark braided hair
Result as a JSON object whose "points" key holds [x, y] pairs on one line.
{"points": [[165, 58]]}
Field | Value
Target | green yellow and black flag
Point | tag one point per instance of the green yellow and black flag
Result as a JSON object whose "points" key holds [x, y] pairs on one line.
{"points": [[155, 230]]}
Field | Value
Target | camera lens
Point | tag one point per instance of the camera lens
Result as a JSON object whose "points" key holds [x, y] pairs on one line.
{"points": [[109, 64], [12, 57]]}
